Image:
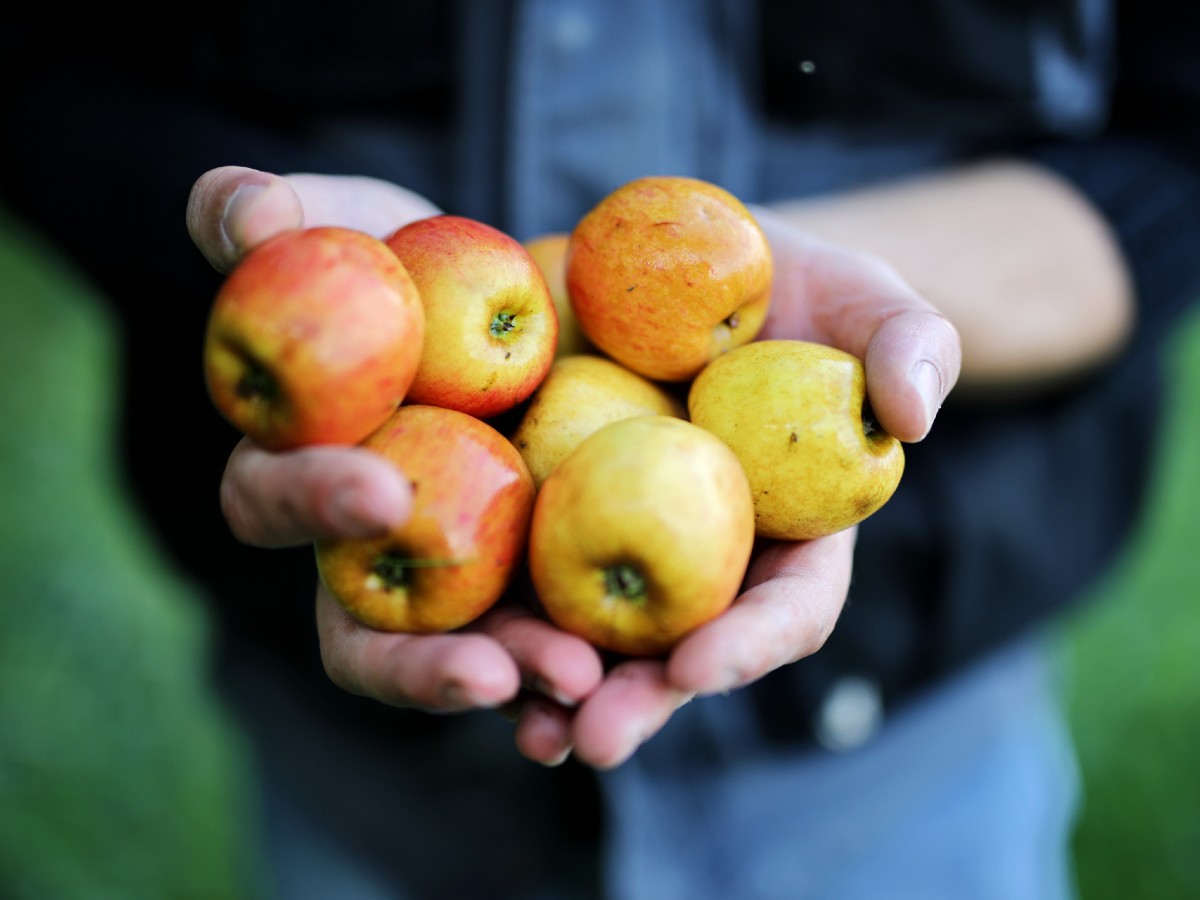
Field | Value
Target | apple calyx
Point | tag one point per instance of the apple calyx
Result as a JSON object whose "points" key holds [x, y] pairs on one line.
{"points": [[257, 383], [504, 324], [395, 570], [624, 582]]}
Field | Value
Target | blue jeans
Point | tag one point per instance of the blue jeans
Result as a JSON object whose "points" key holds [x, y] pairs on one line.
{"points": [[970, 794]]}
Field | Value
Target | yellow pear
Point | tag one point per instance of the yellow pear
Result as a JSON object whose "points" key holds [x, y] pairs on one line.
{"points": [[642, 534], [578, 395], [795, 413]]}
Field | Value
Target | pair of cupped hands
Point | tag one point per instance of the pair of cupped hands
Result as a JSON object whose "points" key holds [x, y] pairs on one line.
{"points": [[558, 690]]}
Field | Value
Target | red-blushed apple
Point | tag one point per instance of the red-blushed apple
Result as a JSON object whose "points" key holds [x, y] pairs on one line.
{"points": [[666, 273], [457, 553], [491, 327], [314, 338]]}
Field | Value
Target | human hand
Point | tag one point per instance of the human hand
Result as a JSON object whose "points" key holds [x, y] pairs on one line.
{"points": [[794, 591], [295, 497]]}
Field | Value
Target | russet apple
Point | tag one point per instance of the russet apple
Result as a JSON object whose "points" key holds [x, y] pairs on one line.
{"points": [[314, 338], [580, 394], [490, 324], [666, 273], [457, 553], [549, 251], [641, 534], [796, 415]]}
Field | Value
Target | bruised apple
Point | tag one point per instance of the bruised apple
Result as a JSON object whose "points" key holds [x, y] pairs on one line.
{"points": [[796, 415], [454, 557], [642, 534], [314, 338], [666, 273]]}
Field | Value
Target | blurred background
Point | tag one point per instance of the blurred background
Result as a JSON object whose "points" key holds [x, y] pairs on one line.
{"points": [[121, 775]]}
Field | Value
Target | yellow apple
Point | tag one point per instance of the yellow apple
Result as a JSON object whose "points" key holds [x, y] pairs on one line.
{"points": [[314, 338], [642, 534], [796, 415], [457, 553], [578, 395], [490, 324], [666, 273], [549, 251]]}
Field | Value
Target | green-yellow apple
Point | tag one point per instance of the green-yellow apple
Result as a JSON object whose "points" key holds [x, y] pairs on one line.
{"points": [[549, 251], [666, 273], [642, 534], [490, 323], [580, 394], [457, 553], [314, 338], [796, 415]]}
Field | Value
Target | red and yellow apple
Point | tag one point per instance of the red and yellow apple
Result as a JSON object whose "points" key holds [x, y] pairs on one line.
{"points": [[314, 338], [796, 415], [641, 534], [665, 273], [490, 324], [455, 556]]}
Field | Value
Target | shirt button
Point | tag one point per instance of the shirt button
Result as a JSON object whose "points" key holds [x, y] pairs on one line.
{"points": [[851, 713]]}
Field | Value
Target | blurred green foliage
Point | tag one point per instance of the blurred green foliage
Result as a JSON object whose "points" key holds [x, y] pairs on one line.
{"points": [[120, 775], [1134, 680]]}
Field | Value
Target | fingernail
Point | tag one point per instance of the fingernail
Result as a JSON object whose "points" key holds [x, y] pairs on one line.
{"points": [[237, 209], [924, 376], [556, 760], [546, 690]]}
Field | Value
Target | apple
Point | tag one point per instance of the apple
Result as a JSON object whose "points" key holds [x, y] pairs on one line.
{"points": [[457, 553], [641, 534], [549, 251], [666, 273], [580, 394], [490, 324], [314, 338], [796, 415]]}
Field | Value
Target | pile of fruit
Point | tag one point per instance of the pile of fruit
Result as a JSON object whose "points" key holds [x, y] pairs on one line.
{"points": [[594, 409]]}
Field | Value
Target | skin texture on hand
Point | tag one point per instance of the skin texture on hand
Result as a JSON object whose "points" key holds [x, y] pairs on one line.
{"points": [[553, 684]]}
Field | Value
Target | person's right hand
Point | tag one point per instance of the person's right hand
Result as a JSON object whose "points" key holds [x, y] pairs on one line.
{"points": [[295, 497]]}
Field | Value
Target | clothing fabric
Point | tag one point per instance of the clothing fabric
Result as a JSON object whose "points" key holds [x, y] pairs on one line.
{"points": [[524, 114]]}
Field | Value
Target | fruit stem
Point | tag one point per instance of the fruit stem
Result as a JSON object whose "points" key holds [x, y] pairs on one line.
{"points": [[394, 569], [503, 323], [625, 582]]}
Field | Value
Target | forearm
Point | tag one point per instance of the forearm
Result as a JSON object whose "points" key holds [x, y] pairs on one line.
{"points": [[1014, 256]]}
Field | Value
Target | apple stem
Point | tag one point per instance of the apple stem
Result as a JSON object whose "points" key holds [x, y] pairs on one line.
{"points": [[625, 582], [394, 570], [503, 323]]}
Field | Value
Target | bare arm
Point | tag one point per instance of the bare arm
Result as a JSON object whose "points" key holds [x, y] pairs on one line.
{"points": [[1015, 257]]}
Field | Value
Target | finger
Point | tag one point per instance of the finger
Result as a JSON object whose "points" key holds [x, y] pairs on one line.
{"points": [[434, 672], [793, 596], [543, 731], [851, 300], [312, 493], [233, 209], [368, 204], [553, 663], [628, 708]]}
